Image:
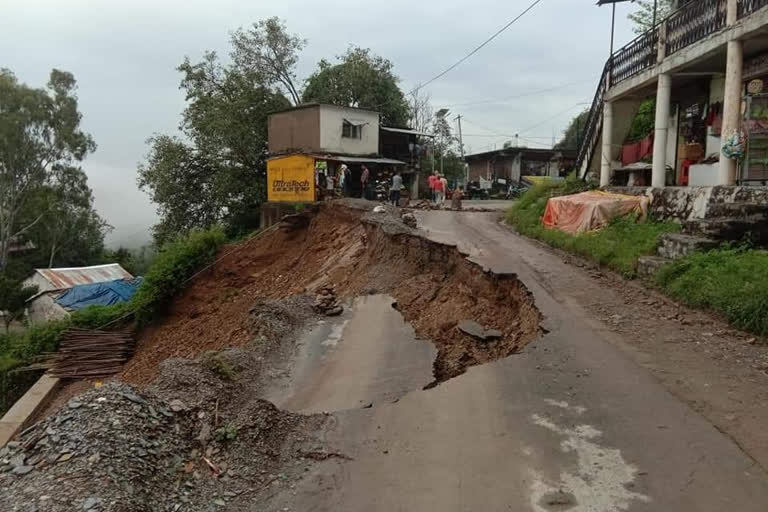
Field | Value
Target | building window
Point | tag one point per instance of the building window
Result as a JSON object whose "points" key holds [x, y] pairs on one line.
{"points": [[351, 131]]}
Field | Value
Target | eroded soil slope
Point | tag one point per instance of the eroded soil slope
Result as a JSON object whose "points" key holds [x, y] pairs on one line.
{"points": [[356, 252]]}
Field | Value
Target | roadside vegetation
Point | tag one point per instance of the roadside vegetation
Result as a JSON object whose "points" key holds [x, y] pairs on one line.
{"points": [[617, 246], [174, 264], [731, 281]]}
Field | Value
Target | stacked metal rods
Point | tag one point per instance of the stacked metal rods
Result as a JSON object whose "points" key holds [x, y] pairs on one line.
{"points": [[87, 353]]}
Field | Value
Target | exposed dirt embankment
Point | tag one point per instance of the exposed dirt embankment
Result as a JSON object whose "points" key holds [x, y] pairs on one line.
{"points": [[436, 287], [357, 252]]}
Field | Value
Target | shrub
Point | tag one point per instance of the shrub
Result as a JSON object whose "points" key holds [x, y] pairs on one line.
{"points": [[732, 281], [226, 433], [617, 246], [174, 264], [216, 364]]}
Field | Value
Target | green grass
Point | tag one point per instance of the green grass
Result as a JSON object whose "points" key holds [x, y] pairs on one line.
{"points": [[731, 281], [617, 246]]}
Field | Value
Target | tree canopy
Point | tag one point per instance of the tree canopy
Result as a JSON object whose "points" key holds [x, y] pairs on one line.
{"points": [[572, 136], [216, 172], [40, 140], [359, 79], [268, 51], [642, 18], [216, 175]]}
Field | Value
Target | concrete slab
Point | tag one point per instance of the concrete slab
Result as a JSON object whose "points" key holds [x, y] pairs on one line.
{"points": [[25, 408]]}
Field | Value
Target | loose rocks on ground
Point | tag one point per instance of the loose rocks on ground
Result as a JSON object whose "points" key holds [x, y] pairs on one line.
{"points": [[120, 450], [327, 303]]}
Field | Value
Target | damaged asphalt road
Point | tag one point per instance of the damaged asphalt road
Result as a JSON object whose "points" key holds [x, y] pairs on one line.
{"points": [[571, 423], [508, 380]]}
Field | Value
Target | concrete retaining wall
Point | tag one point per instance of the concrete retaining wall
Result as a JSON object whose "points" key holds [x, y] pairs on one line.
{"points": [[25, 408], [689, 203]]}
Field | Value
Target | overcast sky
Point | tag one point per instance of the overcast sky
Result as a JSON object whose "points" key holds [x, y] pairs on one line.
{"points": [[124, 53]]}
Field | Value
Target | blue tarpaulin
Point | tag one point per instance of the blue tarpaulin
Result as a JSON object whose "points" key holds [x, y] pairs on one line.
{"points": [[103, 294]]}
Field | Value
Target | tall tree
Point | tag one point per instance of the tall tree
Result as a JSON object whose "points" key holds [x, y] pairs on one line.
{"points": [[421, 111], [267, 50], [13, 296], [39, 129], [359, 79], [572, 136], [70, 232], [642, 18], [218, 175]]}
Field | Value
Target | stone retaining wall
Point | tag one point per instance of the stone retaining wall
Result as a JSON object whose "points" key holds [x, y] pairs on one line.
{"points": [[689, 203]]}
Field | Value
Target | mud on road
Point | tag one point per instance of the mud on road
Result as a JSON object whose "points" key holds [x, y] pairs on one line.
{"points": [[200, 373]]}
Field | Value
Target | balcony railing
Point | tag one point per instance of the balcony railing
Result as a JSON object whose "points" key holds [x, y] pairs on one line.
{"points": [[691, 23], [747, 7], [687, 25], [694, 22], [635, 57]]}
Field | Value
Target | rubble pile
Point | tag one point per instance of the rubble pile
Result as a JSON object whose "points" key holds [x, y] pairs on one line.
{"points": [[327, 303], [108, 449], [114, 449], [409, 220], [277, 319]]}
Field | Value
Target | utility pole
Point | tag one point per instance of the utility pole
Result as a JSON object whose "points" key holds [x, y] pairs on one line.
{"points": [[461, 149]]}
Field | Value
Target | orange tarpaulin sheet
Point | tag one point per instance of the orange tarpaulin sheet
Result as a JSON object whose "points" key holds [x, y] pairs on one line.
{"points": [[591, 210]]}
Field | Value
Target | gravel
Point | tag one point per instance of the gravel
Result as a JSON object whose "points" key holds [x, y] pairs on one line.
{"points": [[116, 449]]}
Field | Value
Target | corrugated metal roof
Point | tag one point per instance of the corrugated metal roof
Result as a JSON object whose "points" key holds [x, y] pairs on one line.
{"points": [[358, 159], [62, 278], [406, 130]]}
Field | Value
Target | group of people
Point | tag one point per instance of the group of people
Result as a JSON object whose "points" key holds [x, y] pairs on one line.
{"points": [[438, 187], [343, 179]]}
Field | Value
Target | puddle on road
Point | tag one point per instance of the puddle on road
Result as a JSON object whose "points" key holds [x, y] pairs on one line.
{"points": [[368, 355]]}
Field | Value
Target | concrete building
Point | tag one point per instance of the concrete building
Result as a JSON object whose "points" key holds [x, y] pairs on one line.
{"points": [[511, 164], [315, 128], [320, 138], [704, 65]]}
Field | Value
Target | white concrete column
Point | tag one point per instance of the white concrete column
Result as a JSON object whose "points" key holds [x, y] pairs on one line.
{"points": [[732, 12], [607, 150], [663, 105], [731, 107]]}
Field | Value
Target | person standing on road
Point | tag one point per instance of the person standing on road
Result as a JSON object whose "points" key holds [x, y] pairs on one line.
{"points": [[346, 180], [439, 190], [394, 192], [431, 182], [330, 185], [444, 186], [364, 177]]}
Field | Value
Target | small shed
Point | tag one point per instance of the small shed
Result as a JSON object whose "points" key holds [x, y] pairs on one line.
{"points": [[99, 284]]}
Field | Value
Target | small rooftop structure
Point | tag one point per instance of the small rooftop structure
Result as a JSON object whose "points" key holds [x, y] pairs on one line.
{"points": [[47, 279]]}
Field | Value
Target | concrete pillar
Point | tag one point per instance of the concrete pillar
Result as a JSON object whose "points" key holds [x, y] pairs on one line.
{"points": [[661, 52], [732, 12], [663, 104], [731, 107], [607, 150]]}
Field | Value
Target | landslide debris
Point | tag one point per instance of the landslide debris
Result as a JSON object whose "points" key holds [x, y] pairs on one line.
{"points": [[118, 449], [349, 249]]}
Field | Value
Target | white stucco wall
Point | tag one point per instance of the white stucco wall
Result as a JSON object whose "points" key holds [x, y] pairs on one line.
{"points": [[39, 281], [44, 309], [331, 122]]}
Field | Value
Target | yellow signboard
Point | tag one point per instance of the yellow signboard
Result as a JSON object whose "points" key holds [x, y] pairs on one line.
{"points": [[291, 179]]}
